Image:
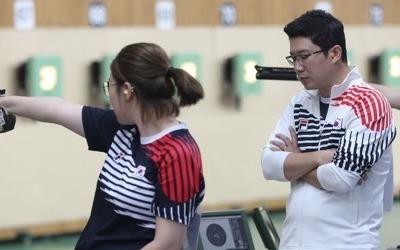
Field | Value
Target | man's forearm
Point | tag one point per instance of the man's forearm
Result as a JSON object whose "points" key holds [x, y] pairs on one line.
{"points": [[312, 179], [297, 165]]}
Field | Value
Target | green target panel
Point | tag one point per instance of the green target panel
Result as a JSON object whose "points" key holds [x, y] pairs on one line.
{"points": [[244, 73], [188, 61], [389, 67], [44, 76]]}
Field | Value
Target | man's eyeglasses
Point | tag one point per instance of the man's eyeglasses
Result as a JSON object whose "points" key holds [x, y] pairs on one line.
{"points": [[301, 58], [106, 88]]}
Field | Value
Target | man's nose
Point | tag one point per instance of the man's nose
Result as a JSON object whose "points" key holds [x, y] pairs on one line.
{"points": [[298, 66]]}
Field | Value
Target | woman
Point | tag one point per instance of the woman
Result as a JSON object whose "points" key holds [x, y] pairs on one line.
{"points": [[151, 184]]}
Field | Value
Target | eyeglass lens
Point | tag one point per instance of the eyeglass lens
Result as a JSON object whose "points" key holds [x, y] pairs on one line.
{"points": [[106, 86]]}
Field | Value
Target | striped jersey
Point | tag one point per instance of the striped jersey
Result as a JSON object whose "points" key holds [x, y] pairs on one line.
{"points": [[141, 178], [359, 126]]}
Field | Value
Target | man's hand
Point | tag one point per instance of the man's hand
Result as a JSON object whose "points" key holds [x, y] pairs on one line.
{"points": [[285, 143], [363, 178]]}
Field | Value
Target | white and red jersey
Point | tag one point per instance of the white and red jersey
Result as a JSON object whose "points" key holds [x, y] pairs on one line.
{"points": [[359, 125]]}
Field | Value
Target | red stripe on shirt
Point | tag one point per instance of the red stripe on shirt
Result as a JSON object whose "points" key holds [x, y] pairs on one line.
{"points": [[369, 105]]}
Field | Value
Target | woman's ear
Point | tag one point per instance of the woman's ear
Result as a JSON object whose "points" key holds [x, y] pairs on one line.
{"points": [[127, 90]]}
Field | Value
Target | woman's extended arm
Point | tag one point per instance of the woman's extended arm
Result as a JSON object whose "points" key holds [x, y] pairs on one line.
{"points": [[46, 109], [391, 93]]}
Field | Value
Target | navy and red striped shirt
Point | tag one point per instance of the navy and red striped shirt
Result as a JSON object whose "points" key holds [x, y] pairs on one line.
{"points": [[141, 178]]}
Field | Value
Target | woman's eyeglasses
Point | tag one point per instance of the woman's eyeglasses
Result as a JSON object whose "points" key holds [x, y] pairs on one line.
{"points": [[106, 88]]}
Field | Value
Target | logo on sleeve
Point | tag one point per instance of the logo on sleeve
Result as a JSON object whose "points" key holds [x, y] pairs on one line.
{"points": [[119, 156]]}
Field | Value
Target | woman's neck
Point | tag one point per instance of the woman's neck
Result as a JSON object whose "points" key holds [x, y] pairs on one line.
{"points": [[155, 126]]}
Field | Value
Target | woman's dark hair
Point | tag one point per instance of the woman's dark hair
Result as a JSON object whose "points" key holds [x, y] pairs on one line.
{"points": [[321, 27], [159, 87]]}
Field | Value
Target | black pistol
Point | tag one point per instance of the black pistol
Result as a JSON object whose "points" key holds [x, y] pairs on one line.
{"points": [[7, 120], [275, 73]]}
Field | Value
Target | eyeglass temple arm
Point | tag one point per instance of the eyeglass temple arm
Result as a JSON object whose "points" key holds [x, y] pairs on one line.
{"points": [[275, 73]]}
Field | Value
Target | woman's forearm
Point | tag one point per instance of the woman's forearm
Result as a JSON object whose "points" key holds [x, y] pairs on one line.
{"points": [[46, 109], [36, 108]]}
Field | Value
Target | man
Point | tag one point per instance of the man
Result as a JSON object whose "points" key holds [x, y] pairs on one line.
{"points": [[333, 143]]}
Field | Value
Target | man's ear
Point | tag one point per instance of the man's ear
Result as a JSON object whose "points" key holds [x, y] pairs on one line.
{"points": [[336, 53]]}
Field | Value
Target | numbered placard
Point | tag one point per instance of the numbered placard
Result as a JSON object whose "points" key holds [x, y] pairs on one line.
{"points": [[228, 14], [376, 14], [24, 14], [97, 14], [165, 14]]}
